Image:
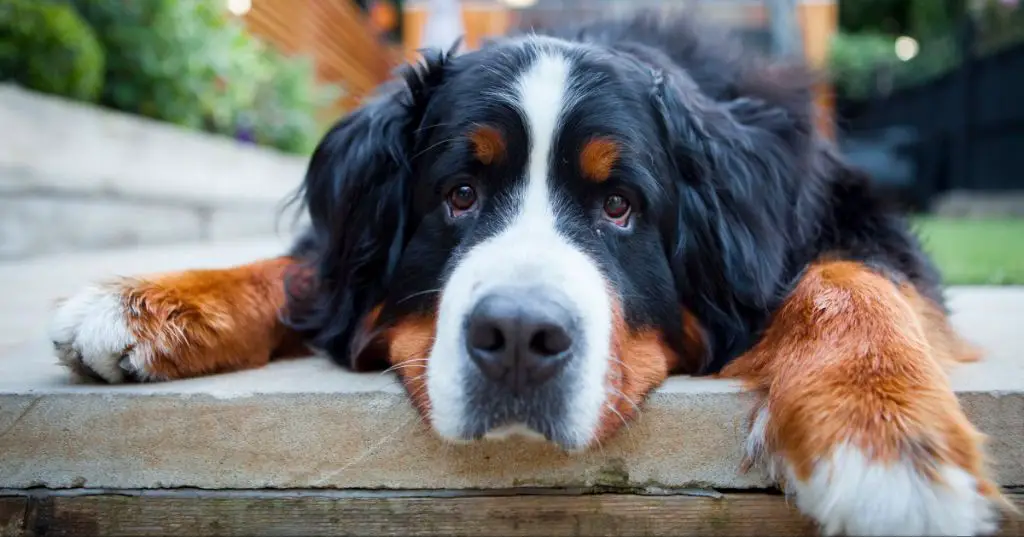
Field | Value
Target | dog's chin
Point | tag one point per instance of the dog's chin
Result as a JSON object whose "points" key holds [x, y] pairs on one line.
{"points": [[517, 434]]}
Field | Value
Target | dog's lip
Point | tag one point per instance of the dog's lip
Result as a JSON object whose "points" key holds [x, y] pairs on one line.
{"points": [[515, 442], [518, 434], [514, 431]]}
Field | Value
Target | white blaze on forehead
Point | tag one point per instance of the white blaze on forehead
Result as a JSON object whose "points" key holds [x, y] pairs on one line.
{"points": [[542, 96]]}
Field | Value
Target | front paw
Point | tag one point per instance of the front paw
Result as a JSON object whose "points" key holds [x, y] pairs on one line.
{"points": [[94, 335], [851, 489], [850, 493]]}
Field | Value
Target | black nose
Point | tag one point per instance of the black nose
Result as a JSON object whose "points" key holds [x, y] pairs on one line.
{"points": [[519, 339]]}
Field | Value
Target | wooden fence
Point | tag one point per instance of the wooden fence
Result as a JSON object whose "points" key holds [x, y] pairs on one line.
{"points": [[967, 125], [339, 37], [335, 33]]}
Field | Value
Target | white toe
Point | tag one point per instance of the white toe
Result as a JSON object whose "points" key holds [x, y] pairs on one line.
{"points": [[91, 330], [850, 494]]}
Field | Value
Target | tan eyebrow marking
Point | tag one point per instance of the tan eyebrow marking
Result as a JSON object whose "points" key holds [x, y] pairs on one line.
{"points": [[488, 144], [598, 157]]}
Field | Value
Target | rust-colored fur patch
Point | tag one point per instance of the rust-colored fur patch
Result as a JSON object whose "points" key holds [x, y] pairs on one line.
{"points": [[598, 158], [850, 357], [640, 362], [409, 342], [488, 144], [200, 322]]}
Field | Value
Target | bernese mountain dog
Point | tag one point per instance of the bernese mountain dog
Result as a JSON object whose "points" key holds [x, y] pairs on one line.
{"points": [[534, 234]]}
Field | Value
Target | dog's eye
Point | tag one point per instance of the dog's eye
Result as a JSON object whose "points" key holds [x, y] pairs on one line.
{"points": [[462, 198], [617, 209]]}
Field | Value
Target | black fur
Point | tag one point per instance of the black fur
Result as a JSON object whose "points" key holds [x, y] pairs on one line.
{"points": [[737, 193], [358, 194]]}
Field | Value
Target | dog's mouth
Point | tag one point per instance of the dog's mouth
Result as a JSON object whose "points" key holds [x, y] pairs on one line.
{"points": [[532, 430], [554, 427], [542, 415], [560, 414], [521, 432], [586, 403]]}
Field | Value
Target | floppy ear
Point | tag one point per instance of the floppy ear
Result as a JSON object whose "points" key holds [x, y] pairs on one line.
{"points": [[738, 167], [357, 191]]}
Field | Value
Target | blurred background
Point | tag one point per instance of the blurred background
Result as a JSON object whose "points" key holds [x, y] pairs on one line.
{"points": [[133, 122]]}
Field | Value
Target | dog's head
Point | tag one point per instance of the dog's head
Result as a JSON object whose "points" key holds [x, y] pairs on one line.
{"points": [[535, 234]]}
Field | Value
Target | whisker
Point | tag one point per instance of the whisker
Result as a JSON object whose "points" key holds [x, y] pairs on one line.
{"points": [[420, 293], [417, 378], [627, 425], [412, 361], [432, 125], [626, 366], [419, 390], [625, 422], [432, 146], [628, 399], [404, 365]]}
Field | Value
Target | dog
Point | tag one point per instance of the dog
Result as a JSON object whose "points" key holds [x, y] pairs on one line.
{"points": [[536, 233]]}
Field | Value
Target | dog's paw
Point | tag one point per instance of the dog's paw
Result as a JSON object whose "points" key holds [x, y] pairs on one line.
{"points": [[852, 491], [93, 334], [173, 325], [849, 494]]}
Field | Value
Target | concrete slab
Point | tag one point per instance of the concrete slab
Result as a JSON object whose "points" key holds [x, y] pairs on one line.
{"points": [[308, 424], [78, 177], [53, 144]]}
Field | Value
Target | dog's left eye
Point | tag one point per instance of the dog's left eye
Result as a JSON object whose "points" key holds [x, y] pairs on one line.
{"points": [[617, 209], [461, 199]]}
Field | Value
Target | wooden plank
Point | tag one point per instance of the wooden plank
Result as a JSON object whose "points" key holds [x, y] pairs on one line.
{"points": [[479, 20], [334, 33], [256, 513], [12, 516], [819, 22]]}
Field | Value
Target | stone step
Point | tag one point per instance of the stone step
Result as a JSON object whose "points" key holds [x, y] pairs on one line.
{"points": [[75, 176], [306, 424]]}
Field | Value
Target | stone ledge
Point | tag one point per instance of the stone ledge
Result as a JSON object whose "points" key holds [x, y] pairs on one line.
{"points": [[51, 143], [307, 424], [38, 225], [76, 177]]}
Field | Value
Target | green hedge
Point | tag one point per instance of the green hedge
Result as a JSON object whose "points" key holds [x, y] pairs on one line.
{"points": [[857, 61], [854, 58], [173, 59], [284, 113], [190, 63], [49, 48]]}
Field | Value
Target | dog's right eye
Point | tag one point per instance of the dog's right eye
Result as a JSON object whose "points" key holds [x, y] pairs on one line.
{"points": [[461, 199], [617, 210]]}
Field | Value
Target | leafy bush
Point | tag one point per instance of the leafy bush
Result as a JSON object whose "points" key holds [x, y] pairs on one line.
{"points": [[856, 58], [288, 104], [49, 48], [938, 56], [167, 59], [189, 62], [863, 64]]}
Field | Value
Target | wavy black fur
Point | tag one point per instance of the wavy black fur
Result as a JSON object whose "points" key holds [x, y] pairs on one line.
{"points": [[750, 194]]}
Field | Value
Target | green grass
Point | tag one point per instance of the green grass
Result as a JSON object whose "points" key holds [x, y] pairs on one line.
{"points": [[975, 251]]}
